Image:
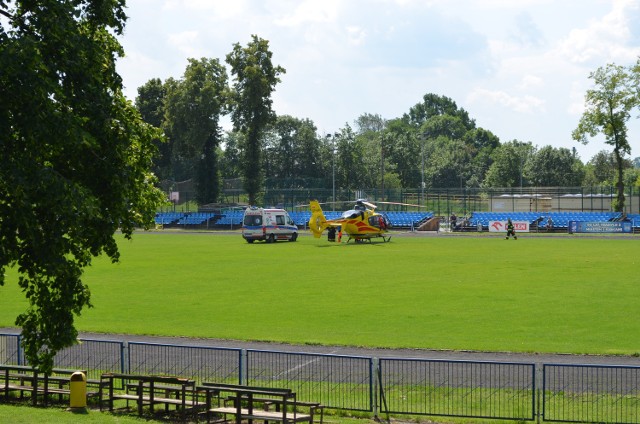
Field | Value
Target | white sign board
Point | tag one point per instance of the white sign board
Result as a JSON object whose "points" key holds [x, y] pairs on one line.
{"points": [[501, 226]]}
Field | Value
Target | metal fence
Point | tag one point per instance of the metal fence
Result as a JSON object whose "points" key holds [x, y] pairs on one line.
{"points": [[590, 393], [336, 381], [94, 356], [221, 365], [492, 390], [10, 349], [458, 388], [441, 201]]}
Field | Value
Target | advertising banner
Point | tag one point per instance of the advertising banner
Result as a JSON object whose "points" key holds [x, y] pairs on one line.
{"points": [[501, 226], [599, 227]]}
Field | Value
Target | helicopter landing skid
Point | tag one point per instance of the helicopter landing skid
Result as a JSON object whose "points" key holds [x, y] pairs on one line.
{"points": [[369, 239]]}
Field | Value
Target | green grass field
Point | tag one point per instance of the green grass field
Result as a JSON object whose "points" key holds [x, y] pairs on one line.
{"points": [[537, 294], [22, 414]]}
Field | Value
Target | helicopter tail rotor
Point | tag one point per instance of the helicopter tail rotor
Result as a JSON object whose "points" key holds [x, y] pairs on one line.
{"points": [[317, 222]]}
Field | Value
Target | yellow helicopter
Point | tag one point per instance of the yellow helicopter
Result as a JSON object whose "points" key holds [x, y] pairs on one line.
{"points": [[361, 223]]}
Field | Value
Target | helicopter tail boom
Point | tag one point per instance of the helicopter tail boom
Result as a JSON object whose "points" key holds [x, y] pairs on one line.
{"points": [[317, 222]]}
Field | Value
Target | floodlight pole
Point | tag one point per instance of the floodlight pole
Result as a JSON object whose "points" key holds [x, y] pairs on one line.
{"points": [[423, 137], [333, 164], [333, 168]]}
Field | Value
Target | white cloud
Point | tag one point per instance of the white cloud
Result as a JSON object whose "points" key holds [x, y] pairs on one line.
{"points": [[526, 104], [605, 38], [187, 42], [221, 9], [309, 11], [356, 35], [531, 82]]}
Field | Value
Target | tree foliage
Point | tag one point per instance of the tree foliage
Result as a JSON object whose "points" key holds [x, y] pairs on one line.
{"points": [[554, 167], [193, 107], [75, 159], [251, 104], [507, 169], [608, 108], [293, 153], [150, 103]]}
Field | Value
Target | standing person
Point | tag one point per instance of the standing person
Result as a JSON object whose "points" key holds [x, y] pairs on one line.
{"points": [[510, 230], [331, 234], [549, 224]]}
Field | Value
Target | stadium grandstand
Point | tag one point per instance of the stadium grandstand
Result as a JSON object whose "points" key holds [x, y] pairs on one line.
{"points": [[232, 219], [475, 207], [560, 219]]}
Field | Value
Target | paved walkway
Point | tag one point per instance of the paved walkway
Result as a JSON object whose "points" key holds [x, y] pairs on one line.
{"points": [[537, 358]]}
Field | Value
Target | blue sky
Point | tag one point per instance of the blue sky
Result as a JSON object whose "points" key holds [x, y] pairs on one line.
{"points": [[519, 67]]}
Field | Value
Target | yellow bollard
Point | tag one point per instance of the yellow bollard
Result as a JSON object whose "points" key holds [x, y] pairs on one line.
{"points": [[78, 390]]}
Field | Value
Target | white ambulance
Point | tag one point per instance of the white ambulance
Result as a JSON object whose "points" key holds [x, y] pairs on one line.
{"points": [[268, 225]]}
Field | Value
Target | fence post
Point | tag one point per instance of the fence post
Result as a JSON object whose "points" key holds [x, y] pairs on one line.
{"points": [[20, 349], [244, 378], [125, 358], [539, 393], [376, 387], [4, 355]]}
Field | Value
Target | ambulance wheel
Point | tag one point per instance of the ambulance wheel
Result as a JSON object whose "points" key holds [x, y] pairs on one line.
{"points": [[294, 237], [271, 238]]}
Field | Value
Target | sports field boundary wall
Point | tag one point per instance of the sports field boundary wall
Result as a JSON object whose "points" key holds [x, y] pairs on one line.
{"points": [[381, 386]]}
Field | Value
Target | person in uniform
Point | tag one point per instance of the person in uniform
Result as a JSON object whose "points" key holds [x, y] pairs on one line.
{"points": [[510, 230]]}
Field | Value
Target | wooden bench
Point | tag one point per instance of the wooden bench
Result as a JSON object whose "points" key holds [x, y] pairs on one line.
{"points": [[252, 403], [315, 408], [26, 379], [149, 390], [19, 378]]}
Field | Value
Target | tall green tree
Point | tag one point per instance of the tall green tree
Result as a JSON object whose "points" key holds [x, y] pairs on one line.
{"points": [[351, 167], [405, 152], [554, 167], [76, 159], [251, 112], [601, 169], [294, 156], [192, 120], [481, 143], [608, 108], [435, 105], [231, 162], [509, 161], [150, 103]]}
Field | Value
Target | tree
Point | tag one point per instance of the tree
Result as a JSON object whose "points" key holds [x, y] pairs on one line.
{"points": [[406, 153], [150, 103], [251, 112], [294, 152], [602, 168], [608, 107], [482, 143], [508, 165], [434, 105], [230, 164], [75, 159], [352, 160], [553, 167], [193, 108], [370, 123]]}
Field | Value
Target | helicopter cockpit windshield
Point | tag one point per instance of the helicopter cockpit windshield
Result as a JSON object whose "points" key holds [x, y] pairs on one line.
{"points": [[351, 214]]}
